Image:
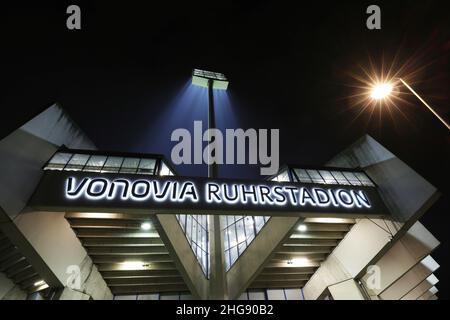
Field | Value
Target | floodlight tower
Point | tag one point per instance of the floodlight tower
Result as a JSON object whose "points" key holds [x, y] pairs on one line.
{"points": [[212, 81], [218, 285]]}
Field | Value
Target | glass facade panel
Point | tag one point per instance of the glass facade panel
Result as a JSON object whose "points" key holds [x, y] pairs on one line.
{"points": [[77, 162], [332, 177], [195, 228], [327, 177], [147, 166], [303, 176], [165, 171], [365, 180], [239, 232], [282, 177], [104, 163], [340, 178], [129, 165], [315, 176], [59, 161], [352, 178], [112, 164], [95, 163]]}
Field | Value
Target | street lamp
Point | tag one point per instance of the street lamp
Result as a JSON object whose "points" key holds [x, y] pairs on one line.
{"points": [[382, 90], [218, 284]]}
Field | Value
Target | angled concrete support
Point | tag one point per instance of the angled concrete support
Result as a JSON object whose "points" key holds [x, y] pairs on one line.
{"points": [[418, 291], [9, 228], [185, 260], [54, 241], [370, 240], [406, 253], [252, 261], [346, 290], [409, 280]]}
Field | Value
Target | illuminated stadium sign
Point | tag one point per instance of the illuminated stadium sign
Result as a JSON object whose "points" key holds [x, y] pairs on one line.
{"points": [[221, 193], [114, 192]]}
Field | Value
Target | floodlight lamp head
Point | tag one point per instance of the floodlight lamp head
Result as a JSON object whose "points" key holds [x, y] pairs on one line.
{"points": [[202, 78]]}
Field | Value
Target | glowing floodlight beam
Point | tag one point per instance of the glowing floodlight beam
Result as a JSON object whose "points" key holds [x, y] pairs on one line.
{"points": [[202, 77]]}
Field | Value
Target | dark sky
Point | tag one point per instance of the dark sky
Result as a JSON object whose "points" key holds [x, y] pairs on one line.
{"points": [[290, 68]]}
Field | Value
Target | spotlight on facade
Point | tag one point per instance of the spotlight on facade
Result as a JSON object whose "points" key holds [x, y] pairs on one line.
{"points": [[381, 90], [202, 78], [146, 226], [302, 228]]}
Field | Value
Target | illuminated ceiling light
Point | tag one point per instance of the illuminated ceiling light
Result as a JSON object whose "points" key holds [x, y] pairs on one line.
{"points": [[146, 226], [134, 265], [381, 91], [302, 228], [328, 220], [202, 77], [39, 283], [299, 262]]}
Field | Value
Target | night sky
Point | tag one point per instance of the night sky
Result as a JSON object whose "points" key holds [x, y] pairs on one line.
{"points": [[124, 78]]}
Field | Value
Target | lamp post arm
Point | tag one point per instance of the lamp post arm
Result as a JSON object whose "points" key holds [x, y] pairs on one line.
{"points": [[426, 104]]}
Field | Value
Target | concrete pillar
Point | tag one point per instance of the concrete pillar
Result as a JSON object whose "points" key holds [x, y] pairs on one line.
{"points": [[427, 295], [346, 290], [406, 253], [418, 291], [353, 254], [185, 260], [410, 280], [407, 196], [53, 239]]}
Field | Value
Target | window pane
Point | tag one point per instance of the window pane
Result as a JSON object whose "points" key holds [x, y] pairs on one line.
{"points": [[352, 178], [147, 166], [242, 247], [194, 230], [129, 165], [282, 177], [59, 160], [240, 231], [183, 221], [340, 177], [188, 227], [230, 220], [302, 175], [95, 163], [315, 176], [227, 260], [259, 223], [249, 229], [77, 162], [165, 171], [112, 164], [233, 255], [232, 236], [326, 175], [364, 179]]}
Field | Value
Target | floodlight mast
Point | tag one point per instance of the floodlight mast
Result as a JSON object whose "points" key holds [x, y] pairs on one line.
{"points": [[212, 167], [218, 285]]}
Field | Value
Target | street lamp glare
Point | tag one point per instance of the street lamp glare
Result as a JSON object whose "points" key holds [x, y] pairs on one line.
{"points": [[381, 91]]}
